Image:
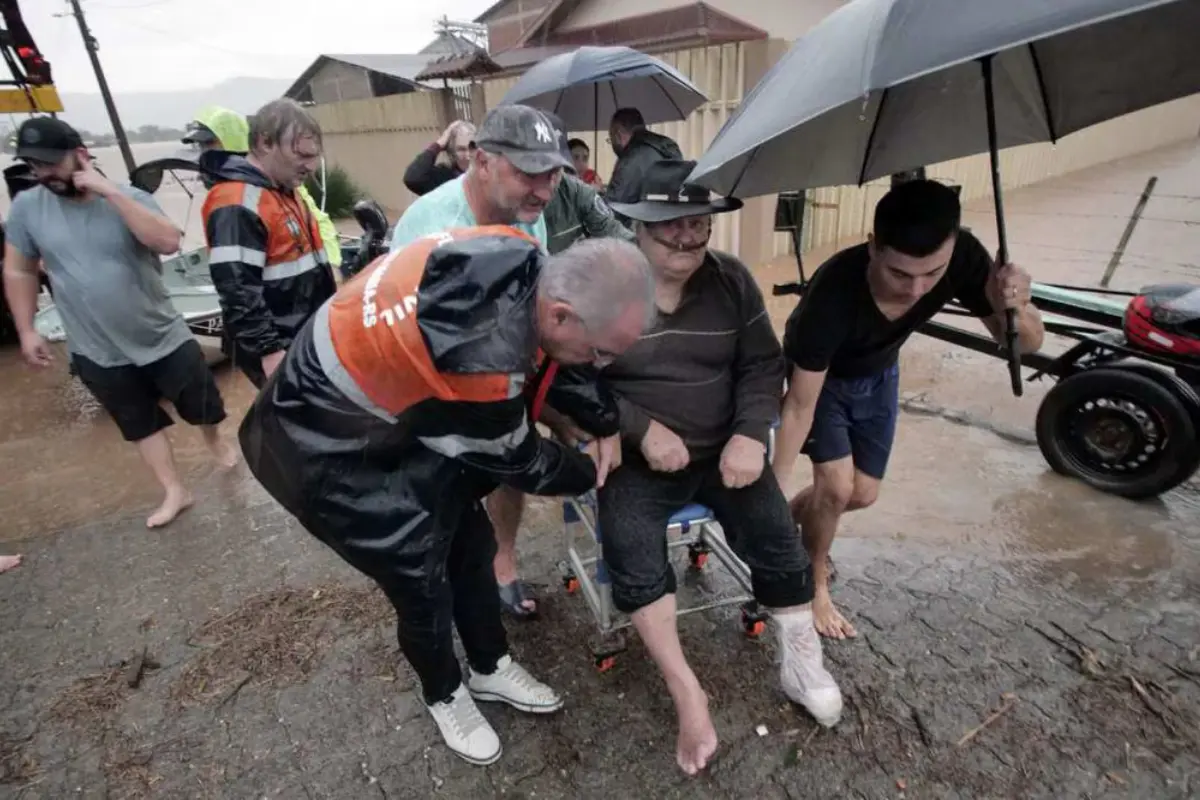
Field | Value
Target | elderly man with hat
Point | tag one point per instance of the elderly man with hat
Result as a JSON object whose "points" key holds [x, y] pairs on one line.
{"points": [[698, 393]]}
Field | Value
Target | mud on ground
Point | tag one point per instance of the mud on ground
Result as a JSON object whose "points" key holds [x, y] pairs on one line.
{"points": [[236, 660]]}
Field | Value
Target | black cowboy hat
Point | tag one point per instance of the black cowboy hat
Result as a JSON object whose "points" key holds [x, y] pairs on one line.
{"points": [[665, 196]]}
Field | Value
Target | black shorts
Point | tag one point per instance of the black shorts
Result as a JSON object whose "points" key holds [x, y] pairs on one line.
{"points": [[131, 394]]}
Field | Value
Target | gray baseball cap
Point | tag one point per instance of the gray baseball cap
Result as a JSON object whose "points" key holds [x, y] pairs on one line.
{"points": [[525, 136]]}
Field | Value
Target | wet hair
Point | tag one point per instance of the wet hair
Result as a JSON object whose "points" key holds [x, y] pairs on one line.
{"points": [[599, 278], [629, 119], [917, 217], [573, 143], [281, 119]]}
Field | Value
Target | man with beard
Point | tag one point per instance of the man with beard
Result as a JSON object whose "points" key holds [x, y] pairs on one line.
{"points": [[516, 166], [99, 244], [266, 255]]}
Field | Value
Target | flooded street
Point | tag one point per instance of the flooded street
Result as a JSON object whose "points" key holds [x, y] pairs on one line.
{"points": [[265, 667]]}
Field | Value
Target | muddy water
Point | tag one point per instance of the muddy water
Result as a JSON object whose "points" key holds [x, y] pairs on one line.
{"points": [[65, 463]]}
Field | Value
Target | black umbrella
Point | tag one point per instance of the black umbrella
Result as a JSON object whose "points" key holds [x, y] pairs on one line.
{"points": [[883, 86], [585, 86]]}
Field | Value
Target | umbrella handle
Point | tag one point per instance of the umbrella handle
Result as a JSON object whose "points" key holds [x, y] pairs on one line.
{"points": [[1014, 356], [1010, 315]]}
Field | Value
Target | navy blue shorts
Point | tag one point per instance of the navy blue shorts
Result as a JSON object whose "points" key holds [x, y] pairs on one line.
{"points": [[856, 417]]}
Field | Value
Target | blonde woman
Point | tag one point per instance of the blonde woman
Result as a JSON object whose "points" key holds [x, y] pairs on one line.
{"points": [[443, 160]]}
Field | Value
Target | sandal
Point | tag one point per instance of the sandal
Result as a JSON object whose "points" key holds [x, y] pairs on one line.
{"points": [[513, 596]]}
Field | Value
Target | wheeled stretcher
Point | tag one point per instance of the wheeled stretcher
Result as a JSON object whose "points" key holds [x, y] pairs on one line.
{"points": [[692, 527]]}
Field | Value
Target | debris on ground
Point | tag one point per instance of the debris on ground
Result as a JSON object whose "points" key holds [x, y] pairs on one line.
{"points": [[273, 638], [92, 696], [17, 766], [1009, 700]]}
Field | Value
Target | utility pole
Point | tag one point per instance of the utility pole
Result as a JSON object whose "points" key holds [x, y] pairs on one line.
{"points": [[89, 43]]}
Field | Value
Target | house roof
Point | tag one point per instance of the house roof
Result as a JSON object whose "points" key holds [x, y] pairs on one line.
{"points": [[487, 12], [402, 67], [686, 25], [454, 66], [449, 44]]}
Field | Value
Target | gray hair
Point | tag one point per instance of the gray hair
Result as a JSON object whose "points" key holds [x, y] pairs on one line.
{"points": [[599, 279], [282, 119]]}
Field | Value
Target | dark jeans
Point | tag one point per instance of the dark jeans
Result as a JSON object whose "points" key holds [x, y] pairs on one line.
{"points": [[856, 417], [453, 586], [637, 502]]}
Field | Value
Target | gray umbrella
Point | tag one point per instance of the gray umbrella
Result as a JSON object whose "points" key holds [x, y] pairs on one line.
{"points": [[883, 86], [585, 86]]}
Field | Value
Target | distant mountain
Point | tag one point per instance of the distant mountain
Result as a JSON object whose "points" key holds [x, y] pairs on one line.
{"points": [[169, 109]]}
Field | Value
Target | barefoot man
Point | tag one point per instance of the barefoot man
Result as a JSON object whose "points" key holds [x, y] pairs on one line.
{"points": [[99, 244], [9, 562], [698, 393], [843, 342]]}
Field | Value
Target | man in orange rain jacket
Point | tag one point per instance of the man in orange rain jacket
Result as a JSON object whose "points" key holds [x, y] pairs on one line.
{"points": [[407, 400], [265, 252]]}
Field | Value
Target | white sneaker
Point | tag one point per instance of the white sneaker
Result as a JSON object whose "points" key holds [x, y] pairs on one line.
{"points": [[511, 684], [802, 670], [465, 730]]}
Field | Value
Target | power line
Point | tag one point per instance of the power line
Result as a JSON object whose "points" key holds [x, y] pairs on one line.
{"points": [[89, 44]]}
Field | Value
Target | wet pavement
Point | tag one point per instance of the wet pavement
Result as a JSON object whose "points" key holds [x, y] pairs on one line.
{"points": [[985, 588]]}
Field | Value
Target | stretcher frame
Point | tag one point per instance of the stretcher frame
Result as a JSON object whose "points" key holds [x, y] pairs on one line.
{"points": [[694, 526]]}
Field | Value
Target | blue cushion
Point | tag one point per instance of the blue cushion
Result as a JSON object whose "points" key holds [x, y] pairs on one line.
{"points": [[692, 512]]}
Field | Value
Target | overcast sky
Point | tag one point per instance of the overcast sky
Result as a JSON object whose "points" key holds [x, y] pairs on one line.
{"points": [[155, 45]]}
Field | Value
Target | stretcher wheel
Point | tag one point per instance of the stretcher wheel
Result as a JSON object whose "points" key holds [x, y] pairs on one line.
{"points": [[571, 584], [605, 663], [754, 622], [1119, 430], [697, 555]]}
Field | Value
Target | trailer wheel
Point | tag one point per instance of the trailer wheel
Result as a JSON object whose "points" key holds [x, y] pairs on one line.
{"points": [[1118, 430], [1188, 394]]}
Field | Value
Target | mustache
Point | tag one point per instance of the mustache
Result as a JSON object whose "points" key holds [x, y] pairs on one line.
{"points": [[678, 247]]}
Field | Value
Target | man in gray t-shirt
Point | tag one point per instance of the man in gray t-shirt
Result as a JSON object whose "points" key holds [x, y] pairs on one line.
{"points": [[100, 245]]}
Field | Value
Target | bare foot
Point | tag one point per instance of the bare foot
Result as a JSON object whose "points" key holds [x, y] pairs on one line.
{"points": [[828, 620], [175, 502], [9, 562], [697, 737], [225, 454]]}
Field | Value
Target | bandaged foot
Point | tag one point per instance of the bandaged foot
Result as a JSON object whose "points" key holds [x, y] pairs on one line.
{"points": [[802, 672]]}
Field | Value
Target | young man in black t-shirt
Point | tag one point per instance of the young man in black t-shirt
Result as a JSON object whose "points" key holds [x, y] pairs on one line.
{"points": [[843, 342]]}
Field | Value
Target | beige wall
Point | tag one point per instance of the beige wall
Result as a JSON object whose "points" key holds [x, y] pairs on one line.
{"points": [[781, 19], [841, 213], [374, 140]]}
